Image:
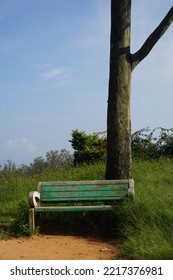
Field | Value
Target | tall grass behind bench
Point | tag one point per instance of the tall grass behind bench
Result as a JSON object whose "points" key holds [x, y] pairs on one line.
{"points": [[15, 189]]}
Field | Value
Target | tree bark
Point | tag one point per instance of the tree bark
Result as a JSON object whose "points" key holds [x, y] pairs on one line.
{"points": [[118, 115]]}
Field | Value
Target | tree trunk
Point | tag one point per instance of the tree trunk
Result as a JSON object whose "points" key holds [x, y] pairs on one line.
{"points": [[118, 114], [122, 62]]}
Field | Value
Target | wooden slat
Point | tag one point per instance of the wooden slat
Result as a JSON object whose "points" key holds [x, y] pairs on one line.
{"points": [[79, 183], [73, 208], [88, 187], [81, 196]]}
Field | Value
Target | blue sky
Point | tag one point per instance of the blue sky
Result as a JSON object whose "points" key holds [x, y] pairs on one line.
{"points": [[54, 72]]}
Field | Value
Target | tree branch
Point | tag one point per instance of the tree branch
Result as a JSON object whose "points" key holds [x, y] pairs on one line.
{"points": [[152, 39]]}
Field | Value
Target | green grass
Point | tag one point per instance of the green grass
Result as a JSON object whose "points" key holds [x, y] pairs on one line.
{"points": [[14, 189], [148, 223], [144, 227]]}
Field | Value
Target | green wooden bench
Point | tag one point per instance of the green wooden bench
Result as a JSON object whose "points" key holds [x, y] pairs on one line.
{"points": [[63, 195]]}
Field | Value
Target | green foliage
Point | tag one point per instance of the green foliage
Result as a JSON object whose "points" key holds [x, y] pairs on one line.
{"points": [[13, 189], [147, 144], [59, 159], [54, 160], [19, 226], [9, 169], [88, 148]]}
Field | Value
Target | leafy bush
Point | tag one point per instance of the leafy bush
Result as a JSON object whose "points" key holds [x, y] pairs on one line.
{"points": [[88, 148], [147, 144]]}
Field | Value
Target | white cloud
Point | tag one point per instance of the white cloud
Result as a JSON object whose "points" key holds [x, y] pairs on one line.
{"points": [[21, 145], [52, 74], [60, 76]]}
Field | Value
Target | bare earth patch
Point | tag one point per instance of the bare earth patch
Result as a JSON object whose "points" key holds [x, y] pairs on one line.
{"points": [[56, 247]]}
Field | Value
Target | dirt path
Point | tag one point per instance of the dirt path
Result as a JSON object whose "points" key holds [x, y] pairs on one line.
{"points": [[56, 247]]}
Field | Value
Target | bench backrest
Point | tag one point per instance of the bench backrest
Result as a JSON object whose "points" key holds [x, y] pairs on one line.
{"points": [[61, 191]]}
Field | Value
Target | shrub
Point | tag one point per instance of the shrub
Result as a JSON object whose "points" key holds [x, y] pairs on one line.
{"points": [[88, 148], [147, 144]]}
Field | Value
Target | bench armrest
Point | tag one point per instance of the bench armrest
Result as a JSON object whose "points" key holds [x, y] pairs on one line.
{"points": [[131, 189], [34, 198]]}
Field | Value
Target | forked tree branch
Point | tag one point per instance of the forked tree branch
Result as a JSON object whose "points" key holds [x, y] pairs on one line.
{"points": [[152, 39]]}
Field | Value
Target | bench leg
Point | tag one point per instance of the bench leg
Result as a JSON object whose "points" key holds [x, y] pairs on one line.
{"points": [[31, 219], [131, 190]]}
